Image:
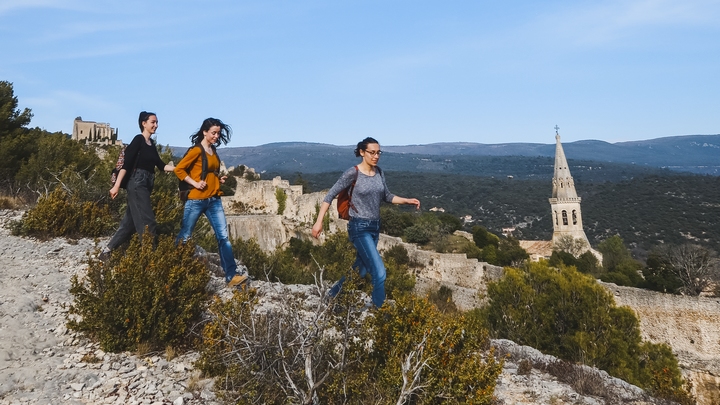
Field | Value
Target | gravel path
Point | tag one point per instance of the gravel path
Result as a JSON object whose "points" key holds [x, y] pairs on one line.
{"points": [[41, 362]]}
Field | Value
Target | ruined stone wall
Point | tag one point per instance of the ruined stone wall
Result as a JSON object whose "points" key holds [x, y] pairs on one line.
{"points": [[689, 325], [259, 197], [252, 213]]}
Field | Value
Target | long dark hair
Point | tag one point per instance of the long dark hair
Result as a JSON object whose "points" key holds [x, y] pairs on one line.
{"points": [[144, 116], [225, 131], [362, 145]]}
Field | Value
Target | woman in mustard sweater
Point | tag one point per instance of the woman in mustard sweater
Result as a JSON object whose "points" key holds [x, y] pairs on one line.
{"points": [[204, 196]]}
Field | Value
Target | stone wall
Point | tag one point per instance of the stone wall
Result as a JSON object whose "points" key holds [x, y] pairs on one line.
{"points": [[252, 213], [689, 325]]}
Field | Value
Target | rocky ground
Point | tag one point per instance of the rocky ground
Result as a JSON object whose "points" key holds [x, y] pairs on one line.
{"points": [[41, 362]]}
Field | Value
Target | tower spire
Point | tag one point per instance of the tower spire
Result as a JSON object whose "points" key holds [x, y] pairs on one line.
{"points": [[563, 184], [565, 203]]}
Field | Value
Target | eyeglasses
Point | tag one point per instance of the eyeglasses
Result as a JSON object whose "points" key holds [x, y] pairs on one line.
{"points": [[374, 152]]}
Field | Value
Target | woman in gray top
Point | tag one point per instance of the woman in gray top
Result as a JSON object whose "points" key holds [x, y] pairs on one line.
{"points": [[364, 225]]}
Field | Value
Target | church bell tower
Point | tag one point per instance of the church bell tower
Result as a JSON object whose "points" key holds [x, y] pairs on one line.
{"points": [[565, 203]]}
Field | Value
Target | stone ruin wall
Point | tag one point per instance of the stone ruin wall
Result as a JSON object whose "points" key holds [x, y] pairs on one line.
{"points": [[252, 213], [690, 325]]}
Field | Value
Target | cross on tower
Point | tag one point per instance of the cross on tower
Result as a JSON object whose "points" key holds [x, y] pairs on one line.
{"points": [[556, 130]]}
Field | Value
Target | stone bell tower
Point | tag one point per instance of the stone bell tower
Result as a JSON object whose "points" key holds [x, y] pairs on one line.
{"points": [[565, 203]]}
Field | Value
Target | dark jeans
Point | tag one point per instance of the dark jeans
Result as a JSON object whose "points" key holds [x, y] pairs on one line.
{"points": [[139, 213], [364, 235]]}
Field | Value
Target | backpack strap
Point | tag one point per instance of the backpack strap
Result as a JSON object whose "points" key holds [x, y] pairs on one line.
{"points": [[203, 155], [351, 188]]}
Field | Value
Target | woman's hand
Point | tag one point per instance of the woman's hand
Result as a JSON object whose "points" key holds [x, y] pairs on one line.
{"points": [[317, 229], [170, 167], [200, 185], [222, 179], [413, 201], [115, 190], [408, 201]]}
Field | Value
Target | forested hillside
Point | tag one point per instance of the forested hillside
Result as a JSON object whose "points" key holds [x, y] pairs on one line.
{"points": [[645, 211], [318, 158], [690, 153]]}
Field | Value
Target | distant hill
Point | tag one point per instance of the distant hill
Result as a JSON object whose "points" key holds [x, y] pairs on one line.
{"points": [[691, 153]]}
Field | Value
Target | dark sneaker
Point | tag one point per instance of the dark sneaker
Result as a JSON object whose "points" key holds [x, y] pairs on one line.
{"points": [[240, 280], [104, 256]]}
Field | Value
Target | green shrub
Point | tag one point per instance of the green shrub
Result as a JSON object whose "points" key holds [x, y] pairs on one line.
{"points": [[482, 237], [442, 298], [452, 357], [259, 356], [281, 198], [62, 214], [146, 295], [658, 274], [399, 279], [569, 315]]}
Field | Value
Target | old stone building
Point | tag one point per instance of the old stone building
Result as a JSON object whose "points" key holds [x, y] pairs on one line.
{"points": [[94, 132], [566, 213], [565, 203]]}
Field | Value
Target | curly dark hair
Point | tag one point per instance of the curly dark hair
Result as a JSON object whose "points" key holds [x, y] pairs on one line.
{"points": [[362, 145], [225, 131]]}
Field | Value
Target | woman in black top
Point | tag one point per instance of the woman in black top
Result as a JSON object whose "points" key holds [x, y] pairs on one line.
{"points": [[141, 159]]}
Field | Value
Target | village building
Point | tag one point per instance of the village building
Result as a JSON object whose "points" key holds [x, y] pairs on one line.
{"points": [[565, 212], [94, 132]]}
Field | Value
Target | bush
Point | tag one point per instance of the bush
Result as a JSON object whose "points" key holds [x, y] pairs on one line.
{"points": [[281, 198], [399, 279], [297, 352], [482, 237], [393, 221], [282, 354], [442, 298], [567, 314], [62, 214], [449, 356], [145, 295]]}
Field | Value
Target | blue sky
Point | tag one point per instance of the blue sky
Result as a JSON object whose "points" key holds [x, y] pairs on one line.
{"points": [[404, 72]]}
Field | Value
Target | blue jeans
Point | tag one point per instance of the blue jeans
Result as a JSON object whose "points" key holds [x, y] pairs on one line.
{"points": [[364, 235], [213, 210]]}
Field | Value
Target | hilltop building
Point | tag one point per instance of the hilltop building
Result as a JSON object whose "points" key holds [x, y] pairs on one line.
{"points": [[565, 203], [94, 132], [566, 214]]}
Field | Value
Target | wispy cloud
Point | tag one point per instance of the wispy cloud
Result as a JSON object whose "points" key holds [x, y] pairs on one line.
{"points": [[8, 6], [63, 97], [610, 22]]}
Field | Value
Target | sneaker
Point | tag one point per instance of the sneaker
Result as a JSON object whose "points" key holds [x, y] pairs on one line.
{"points": [[239, 280], [104, 256]]}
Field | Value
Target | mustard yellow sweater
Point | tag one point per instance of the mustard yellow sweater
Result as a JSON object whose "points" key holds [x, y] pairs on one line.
{"points": [[191, 165]]}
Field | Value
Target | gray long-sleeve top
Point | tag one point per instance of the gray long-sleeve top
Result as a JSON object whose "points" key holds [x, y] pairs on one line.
{"points": [[367, 195]]}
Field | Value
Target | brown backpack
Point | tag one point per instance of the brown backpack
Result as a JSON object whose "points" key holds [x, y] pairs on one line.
{"points": [[344, 199]]}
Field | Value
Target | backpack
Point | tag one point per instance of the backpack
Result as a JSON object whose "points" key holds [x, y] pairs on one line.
{"points": [[183, 187], [118, 166], [120, 162], [344, 199]]}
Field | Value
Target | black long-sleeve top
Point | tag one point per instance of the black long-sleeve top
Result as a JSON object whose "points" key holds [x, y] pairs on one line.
{"points": [[147, 159]]}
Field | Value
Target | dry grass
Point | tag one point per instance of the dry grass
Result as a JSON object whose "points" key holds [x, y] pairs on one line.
{"points": [[143, 349], [170, 353], [10, 203]]}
